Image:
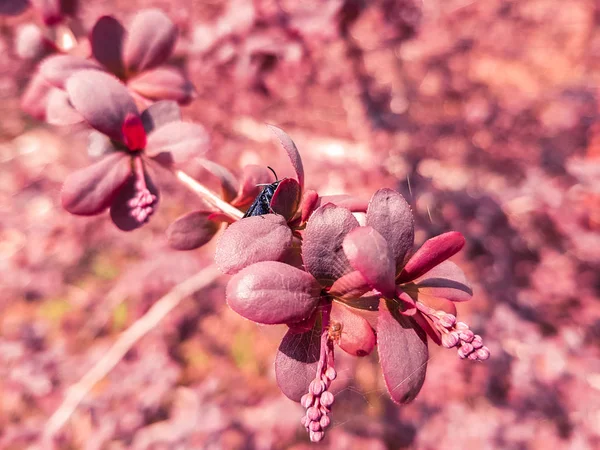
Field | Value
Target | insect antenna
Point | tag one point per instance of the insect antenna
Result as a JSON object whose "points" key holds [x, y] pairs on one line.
{"points": [[271, 169]]}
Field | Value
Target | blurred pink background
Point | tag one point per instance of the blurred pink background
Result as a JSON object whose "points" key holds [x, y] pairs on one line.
{"points": [[484, 114]]}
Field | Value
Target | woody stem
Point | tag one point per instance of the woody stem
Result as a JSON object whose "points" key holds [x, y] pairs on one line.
{"points": [[208, 195]]}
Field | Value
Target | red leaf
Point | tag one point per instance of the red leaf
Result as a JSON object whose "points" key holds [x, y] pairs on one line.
{"points": [[357, 337], [253, 239], [286, 198], [322, 250], [367, 252], [403, 354], [106, 40], [433, 252], [391, 216], [292, 152], [102, 100], [91, 190], [192, 230], [296, 362], [150, 41], [271, 292]]}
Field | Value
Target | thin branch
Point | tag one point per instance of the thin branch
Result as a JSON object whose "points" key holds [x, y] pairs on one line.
{"points": [[208, 195], [76, 393]]}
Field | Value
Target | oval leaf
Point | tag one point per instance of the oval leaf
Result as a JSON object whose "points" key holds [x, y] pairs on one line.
{"points": [[292, 152], [367, 252], [271, 292], [163, 84], [403, 354], [357, 337], [102, 101], [159, 114], [106, 40], [310, 202], [296, 361], [446, 280], [433, 252], [192, 230], [58, 68], [176, 143], [392, 217], [286, 198], [254, 239], [35, 97], [324, 235], [91, 190], [150, 41], [59, 111]]}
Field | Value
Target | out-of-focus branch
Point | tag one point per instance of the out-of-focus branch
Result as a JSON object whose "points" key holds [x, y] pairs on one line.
{"points": [[76, 393], [208, 195]]}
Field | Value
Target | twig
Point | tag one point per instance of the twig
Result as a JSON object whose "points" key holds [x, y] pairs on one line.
{"points": [[208, 195], [76, 393]]}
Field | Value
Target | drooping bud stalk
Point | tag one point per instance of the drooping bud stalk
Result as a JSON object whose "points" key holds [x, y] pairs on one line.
{"points": [[456, 334], [318, 400], [142, 204]]}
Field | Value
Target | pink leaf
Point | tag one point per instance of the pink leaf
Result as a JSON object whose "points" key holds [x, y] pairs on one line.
{"points": [[349, 286], [35, 97], [91, 190], [59, 111], [102, 101], [290, 148], [322, 250], [192, 230], [286, 198], [296, 362], [57, 69], [106, 39], [13, 7], [403, 354], [252, 177], [446, 280], [391, 216], [159, 114], [253, 239], [229, 184], [271, 292], [177, 142], [349, 202], [163, 84], [357, 337], [433, 252], [150, 41], [367, 252], [310, 202]]}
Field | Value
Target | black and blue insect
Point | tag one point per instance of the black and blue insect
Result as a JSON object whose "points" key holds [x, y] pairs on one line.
{"points": [[262, 203]]}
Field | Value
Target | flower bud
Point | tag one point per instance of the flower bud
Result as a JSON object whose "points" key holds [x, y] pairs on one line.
{"points": [[331, 373], [316, 436], [327, 399], [307, 400], [313, 413], [316, 387]]}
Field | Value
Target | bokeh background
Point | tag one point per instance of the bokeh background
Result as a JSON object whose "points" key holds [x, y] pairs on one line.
{"points": [[483, 113]]}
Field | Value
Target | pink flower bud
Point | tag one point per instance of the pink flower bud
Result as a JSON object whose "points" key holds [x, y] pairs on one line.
{"points": [[316, 387], [331, 373], [316, 436], [327, 399], [314, 426], [447, 320], [460, 326], [477, 342], [307, 400], [483, 353], [313, 413], [466, 335], [305, 421], [325, 421], [450, 340]]}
